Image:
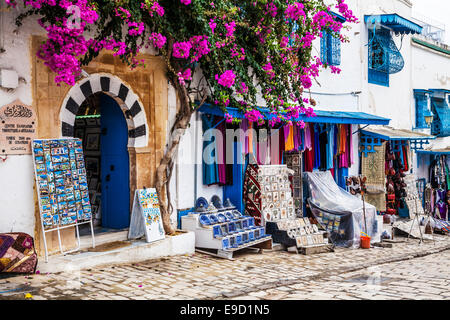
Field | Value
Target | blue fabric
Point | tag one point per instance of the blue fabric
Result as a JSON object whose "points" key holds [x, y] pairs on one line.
{"points": [[210, 169], [343, 172], [316, 148], [330, 147]]}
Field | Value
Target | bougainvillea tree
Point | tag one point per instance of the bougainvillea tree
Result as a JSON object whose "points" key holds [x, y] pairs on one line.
{"points": [[236, 49]]}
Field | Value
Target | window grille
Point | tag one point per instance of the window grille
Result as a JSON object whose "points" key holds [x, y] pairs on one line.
{"points": [[330, 48]]}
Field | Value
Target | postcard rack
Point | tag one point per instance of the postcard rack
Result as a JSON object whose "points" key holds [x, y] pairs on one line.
{"points": [[62, 189]]}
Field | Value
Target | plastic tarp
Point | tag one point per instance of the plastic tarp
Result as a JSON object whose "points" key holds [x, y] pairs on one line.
{"points": [[339, 212]]}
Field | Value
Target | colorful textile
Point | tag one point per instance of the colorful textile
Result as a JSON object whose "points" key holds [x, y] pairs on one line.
{"points": [[308, 142], [17, 253], [372, 167], [330, 147], [252, 193]]}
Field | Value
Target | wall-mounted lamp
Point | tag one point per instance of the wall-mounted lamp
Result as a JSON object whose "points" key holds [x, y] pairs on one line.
{"points": [[428, 115]]}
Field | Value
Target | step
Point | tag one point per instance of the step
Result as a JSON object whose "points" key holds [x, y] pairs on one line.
{"points": [[102, 238], [137, 251]]}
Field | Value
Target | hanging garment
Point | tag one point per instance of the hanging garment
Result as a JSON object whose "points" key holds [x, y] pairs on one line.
{"points": [[263, 148], [282, 145], [308, 138], [209, 158], [323, 142], [274, 146], [289, 137], [309, 159], [244, 136], [330, 148], [316, 147], [352, 160], [296, 134], [250, 138]]}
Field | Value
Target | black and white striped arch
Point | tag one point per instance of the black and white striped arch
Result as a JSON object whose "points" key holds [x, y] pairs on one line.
{"points": [[131, 106]]}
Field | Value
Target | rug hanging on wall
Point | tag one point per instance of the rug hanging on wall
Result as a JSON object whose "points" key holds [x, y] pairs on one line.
{"points": [[17, 253], [373, 169]]}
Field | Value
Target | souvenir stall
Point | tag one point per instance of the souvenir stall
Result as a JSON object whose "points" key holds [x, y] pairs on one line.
{"points": [[265, 178], [387, 163], [434, 161], [268, 198], [326, 142]]}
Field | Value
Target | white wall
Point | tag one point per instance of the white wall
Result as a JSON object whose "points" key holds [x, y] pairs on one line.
{"points": [[17, 172]]}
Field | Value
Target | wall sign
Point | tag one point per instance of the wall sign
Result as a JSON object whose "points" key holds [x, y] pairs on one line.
{"points": [[17, 128], [146, 217]]}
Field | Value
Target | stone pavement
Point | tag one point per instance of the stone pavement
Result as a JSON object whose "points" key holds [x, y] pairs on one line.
{"points": [[408, 270]]}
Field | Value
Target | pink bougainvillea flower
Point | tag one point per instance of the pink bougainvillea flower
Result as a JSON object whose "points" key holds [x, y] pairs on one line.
{"points": [[157, 39], [182, 50], [186, 2], [226, 79]]}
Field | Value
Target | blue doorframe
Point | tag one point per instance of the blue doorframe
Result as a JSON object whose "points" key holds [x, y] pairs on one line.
{"points": [[115, 166]]}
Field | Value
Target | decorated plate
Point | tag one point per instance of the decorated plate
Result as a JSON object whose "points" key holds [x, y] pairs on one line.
{"points": [[201, 201]]}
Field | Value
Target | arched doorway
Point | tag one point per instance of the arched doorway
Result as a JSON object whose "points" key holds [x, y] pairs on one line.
{"points": [[110, 119], [101, 125]]}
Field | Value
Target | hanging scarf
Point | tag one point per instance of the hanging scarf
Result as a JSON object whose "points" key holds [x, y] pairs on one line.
{"points": [[308, 138]]}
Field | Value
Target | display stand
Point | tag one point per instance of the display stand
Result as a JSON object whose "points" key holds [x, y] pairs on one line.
{"points": [[299, 235], [221, 232], [146, 216], [62, 188]]}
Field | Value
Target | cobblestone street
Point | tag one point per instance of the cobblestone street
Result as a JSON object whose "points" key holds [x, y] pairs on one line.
{"points": [[408, 270]]}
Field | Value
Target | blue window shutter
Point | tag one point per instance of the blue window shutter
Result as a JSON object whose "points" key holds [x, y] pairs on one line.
{"points": [[334, 52], [324, 47], [421, 107], [378, 77]]}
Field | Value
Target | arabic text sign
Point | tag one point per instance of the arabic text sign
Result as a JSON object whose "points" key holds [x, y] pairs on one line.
{"points": [[17, 128]]}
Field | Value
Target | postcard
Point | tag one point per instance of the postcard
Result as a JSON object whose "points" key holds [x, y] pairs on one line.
{"points": [[43, 191], [56, 219], [82, 179], [83, 186], [64, 158], [54, 209], [59, 182], [38, 151], [62, 205], [50, 176], [71, 204], [70, 197]]}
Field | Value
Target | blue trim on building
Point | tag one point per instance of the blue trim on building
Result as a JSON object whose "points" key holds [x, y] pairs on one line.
{"points": [[342, 117], [396, 23]]}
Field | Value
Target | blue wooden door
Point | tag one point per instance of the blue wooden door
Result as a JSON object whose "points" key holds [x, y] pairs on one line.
{"points": [[235, 192], [115, 167]]}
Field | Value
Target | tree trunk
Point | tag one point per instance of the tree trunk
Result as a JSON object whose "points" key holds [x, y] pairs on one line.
{"points": [[164, 170]]}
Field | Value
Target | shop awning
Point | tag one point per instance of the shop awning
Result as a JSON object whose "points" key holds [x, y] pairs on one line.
{"points": [[389, 133], [373, 136], [396, 23], [322, 116], [437, 146]]}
